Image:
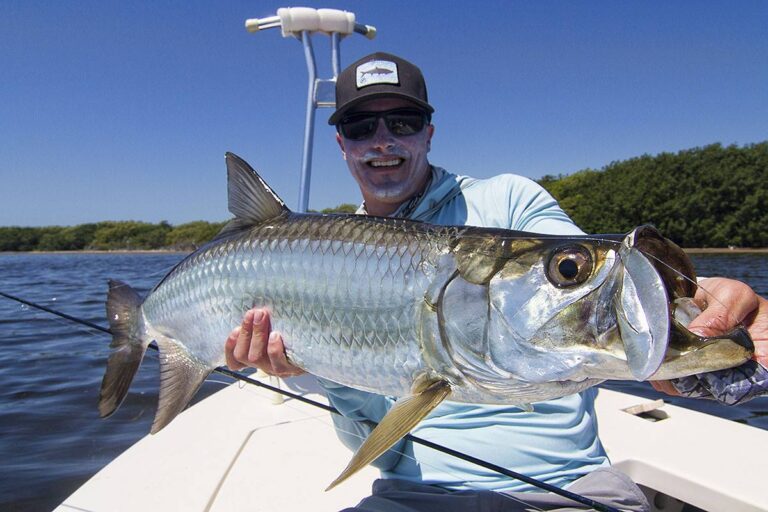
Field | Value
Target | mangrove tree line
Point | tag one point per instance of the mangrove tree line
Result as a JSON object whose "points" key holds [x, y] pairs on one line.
{"points": [[712, 196], [118, 235]]}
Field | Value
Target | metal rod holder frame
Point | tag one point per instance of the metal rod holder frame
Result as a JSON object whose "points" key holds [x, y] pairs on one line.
{"points": [[314, 101]]}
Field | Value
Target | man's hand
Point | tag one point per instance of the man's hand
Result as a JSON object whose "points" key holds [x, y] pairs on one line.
{"points": [[253, 344], [725, 304]]}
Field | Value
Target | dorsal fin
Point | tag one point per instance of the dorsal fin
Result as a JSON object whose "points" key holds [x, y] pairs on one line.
{"points": [[251, 200]]}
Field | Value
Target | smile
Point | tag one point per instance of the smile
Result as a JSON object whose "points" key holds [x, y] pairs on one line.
{"points": [[386, 163]]}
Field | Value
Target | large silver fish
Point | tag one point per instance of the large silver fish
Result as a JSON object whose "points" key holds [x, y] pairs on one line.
{"points": [[415, 310]]}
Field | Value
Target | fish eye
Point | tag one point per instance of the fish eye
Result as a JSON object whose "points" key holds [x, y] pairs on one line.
{"points": [[569, 266]]}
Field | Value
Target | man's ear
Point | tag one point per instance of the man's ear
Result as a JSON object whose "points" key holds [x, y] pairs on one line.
{"points": [[340, 142], [430, 133]]}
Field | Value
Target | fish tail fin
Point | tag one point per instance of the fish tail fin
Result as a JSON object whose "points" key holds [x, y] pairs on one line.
{"points": [[128, 345], [180, 378]]}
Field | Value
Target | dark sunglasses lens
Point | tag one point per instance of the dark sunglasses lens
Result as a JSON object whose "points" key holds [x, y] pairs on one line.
{"points": [[358, 127], [405, 123], [399, 122]]}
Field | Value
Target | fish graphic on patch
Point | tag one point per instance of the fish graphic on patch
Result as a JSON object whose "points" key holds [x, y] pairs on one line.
{"points": [[377, 72]]}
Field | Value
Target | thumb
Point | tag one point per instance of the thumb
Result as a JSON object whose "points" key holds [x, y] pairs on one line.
{"points": [[726, 304], [713, 321]]}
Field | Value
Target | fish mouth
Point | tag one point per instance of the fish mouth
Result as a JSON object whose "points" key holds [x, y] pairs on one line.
{"points": [[657, 278], [641, 306], [670, 261]]}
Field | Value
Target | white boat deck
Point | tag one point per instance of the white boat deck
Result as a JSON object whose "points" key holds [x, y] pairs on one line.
{"points": [[236, 448], [709, 462]]}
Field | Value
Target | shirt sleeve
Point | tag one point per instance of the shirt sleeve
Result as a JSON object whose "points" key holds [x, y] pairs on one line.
{"points": [[514, 202], [532, 208]]}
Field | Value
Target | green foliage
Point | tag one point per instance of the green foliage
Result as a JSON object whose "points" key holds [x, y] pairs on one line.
{"points": [[342, 208], [713, 196], [110, 235], [22, 239], [703, 197], [192, 235], [129, 235], [74, 238]]}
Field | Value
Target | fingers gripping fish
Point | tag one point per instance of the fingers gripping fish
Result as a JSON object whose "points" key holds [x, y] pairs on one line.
{"points": [[417, 311]]}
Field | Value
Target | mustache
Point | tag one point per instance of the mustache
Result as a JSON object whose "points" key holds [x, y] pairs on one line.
{"points": [[393, 153]]}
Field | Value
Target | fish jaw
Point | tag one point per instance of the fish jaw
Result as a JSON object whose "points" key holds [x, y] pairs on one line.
{"points": [[642, 310], [686, 352], [689, 353]]}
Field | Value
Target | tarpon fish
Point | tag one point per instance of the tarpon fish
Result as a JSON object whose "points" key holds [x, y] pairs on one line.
{"points": [[416, 311], [377, 71]]}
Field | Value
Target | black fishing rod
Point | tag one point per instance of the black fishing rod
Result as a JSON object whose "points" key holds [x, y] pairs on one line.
{"points": [[443, 449]]}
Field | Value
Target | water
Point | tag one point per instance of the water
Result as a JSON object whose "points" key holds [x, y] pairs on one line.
{"points": [[51, 437]]}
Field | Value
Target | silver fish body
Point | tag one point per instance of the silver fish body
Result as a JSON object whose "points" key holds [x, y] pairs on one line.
{"points": [[408, 309], [346, 294], [375, 303]]}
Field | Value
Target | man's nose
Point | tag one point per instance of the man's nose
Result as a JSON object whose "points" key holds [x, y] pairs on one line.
{"points": [[382, 137]]}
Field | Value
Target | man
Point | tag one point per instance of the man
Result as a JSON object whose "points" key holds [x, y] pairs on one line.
{"points": [[384, 130]]}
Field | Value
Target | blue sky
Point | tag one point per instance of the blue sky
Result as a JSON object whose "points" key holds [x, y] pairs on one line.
{"points": [[124, 110]]}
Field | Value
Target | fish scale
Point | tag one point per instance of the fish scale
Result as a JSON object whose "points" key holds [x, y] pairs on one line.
{"points": [[298, 278]]}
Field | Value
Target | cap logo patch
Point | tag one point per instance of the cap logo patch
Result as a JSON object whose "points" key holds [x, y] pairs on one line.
{"points": [[377, 72]]}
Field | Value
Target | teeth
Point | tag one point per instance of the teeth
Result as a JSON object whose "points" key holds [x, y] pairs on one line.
{"points": [[385, 163]]}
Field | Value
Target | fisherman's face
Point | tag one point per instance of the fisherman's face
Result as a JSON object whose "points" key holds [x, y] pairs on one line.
{"points": [[389, 169]]}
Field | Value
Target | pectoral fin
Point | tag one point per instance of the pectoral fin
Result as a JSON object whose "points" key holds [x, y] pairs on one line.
{"points": [[404, 415]]}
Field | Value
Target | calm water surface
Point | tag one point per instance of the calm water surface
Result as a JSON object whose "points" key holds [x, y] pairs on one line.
{"points": [[51, 437]]}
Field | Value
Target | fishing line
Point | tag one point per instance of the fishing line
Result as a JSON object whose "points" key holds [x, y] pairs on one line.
{"points": [[458, 478], [448, 451], [57, 313], [733, 320], [443, 449]]}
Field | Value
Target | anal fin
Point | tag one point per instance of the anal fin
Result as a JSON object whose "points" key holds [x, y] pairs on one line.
{"points": [[404, 415], [180, 378]]}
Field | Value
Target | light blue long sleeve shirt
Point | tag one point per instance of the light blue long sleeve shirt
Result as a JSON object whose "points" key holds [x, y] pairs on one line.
{"points": [[556, 443]]}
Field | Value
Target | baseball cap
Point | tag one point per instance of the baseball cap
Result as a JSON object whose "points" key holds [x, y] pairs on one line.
{"points": [[379, 75]]}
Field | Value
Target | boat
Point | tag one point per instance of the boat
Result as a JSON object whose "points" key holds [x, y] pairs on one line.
{"points": [[239, 447], [245, 446]]}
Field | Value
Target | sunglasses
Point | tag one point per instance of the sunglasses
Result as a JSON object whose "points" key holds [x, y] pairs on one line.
{"points": [[400, 122]]}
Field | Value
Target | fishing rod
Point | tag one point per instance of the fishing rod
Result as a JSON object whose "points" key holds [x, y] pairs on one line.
{"points": [[410, 437], [301, 23]]}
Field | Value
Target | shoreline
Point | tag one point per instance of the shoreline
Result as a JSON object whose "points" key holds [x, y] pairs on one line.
{"points": [[94, 251], [726, 250], [688, 250]]}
